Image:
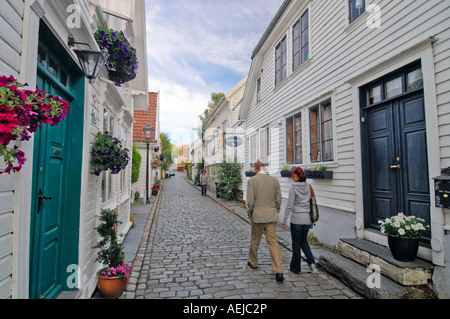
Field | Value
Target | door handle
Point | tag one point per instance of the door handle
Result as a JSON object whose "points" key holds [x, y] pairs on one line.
{"points": [[40, 199], [395, 166]]}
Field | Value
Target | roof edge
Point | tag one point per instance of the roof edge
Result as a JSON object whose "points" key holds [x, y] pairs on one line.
{"points": [[270, 27]]}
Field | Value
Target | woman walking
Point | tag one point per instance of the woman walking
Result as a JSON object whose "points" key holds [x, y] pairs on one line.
{"points": [[299, 206]]}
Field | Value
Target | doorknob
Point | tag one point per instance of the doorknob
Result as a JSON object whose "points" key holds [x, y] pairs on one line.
{"points": [[40, 199], [395, 166]]}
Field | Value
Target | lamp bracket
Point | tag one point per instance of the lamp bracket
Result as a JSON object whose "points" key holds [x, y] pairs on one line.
{"points": [[72, 42]]}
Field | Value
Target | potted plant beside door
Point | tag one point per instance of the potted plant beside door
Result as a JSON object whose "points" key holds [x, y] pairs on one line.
{"points": [[403, 235], [113, 278]]}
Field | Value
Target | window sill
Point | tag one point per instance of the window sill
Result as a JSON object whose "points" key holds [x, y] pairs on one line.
{"points": [[358, 22]]}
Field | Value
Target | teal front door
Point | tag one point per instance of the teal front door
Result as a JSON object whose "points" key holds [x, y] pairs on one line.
{"points": [[56, 176]]}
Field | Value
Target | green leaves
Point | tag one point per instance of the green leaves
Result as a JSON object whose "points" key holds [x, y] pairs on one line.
{"points": [[230, 179]]}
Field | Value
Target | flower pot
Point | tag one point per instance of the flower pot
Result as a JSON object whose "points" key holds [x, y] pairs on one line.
{"points": [[250, 174], [286, 173], [319, 174], [403, 249], [154, 192], [112, 287]]}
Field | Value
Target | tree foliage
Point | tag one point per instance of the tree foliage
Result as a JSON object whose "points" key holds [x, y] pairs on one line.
{"points": [[215, 99], [229, 174], [135, 165]]}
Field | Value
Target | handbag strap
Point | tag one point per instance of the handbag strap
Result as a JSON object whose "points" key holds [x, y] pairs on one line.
{"points": [[312, 191]]}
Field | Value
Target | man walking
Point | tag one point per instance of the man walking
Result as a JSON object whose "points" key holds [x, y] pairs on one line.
{"points": [[264, 203], [203, 182]]}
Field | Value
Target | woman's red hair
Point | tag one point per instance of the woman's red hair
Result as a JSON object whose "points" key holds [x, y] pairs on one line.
{"points": [[300, 173]]}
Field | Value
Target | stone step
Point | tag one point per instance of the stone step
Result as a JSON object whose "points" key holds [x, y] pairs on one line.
{"points": [[365, 253], [358, 277]]}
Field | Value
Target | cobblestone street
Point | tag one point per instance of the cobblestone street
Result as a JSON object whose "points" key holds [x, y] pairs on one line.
{"points": [[195, 248]]}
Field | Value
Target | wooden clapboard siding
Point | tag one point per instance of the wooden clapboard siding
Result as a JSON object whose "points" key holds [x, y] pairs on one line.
{"points": [[338, 51], [11, 17]]}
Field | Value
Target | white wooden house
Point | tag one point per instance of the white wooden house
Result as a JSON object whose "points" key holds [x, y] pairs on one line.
{"points": [[48, 253], [220, 126], [363, 87]]}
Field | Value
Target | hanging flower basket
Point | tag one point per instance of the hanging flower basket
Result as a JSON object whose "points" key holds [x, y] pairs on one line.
{"points": [[156, 162], [108, 154], [22, 112], [121, 56]]}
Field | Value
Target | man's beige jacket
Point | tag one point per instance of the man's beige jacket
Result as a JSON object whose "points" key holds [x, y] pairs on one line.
{"points": [[263, 198]]}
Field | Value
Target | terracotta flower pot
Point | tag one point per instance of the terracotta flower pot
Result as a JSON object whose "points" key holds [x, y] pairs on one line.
{"points": [[112, 287]]}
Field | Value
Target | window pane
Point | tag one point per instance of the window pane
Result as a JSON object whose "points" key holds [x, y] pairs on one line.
{"points": [[414, 80], [298, 139], [314, 134], [290, 155], [327, 149], [314, 114], [53, 67], [394, 87], [42, 56], [64, 78], [327, 130], [296, 30], [305, 21], [296, 61], [326, 111], [298, 122], [296, 45], [298, 155], [374, 95], [253, 149], [290, 142], [315, 152], [289, 125], [356, 8]]}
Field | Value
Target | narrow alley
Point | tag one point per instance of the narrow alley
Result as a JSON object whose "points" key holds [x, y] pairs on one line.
{"points": [[194, 248]]}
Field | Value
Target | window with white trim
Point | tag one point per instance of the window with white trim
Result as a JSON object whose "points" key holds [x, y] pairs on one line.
{"points": [[281, 61], [321, 132], [300, 41]]}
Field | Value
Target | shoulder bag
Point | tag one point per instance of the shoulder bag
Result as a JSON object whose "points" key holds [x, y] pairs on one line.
{"points": [[314, 212]]}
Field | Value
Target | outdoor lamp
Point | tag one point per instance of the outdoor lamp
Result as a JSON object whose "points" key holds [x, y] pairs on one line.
{"points": [[90, 61], [148, 132]]}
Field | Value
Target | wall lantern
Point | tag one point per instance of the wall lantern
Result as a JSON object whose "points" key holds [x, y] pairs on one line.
{"points": [[90, 61]]}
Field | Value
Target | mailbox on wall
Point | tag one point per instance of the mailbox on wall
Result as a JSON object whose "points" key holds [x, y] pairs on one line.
{"points": [[442, 190]]}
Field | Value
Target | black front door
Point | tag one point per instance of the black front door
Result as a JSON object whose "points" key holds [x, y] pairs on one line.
{"points": [[395, 159]]}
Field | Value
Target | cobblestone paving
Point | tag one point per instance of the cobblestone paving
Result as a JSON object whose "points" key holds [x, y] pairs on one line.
{"points": [[197, 249]]}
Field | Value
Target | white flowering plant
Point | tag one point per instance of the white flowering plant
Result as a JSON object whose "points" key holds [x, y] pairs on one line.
{"points": [[403, 226]]}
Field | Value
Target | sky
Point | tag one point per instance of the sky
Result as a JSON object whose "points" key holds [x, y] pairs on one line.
{"points": [[197, 47]]}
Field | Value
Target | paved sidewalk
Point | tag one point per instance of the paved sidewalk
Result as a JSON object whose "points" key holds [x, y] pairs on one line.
{"points": [[194, 247]]}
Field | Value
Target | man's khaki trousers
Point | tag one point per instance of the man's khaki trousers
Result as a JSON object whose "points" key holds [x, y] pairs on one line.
{"points": [[270, 231]]}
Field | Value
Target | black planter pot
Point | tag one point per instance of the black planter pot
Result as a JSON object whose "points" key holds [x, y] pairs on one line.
{"points": [[403, 249], [319, 174], [250, 174], [286, 173], [154, 192]]}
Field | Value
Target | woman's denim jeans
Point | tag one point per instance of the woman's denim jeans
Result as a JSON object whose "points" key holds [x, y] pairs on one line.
{"points": [[299, 234]]}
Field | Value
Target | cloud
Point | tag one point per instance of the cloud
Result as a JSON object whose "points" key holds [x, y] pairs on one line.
{"points": [[196, 47]]}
